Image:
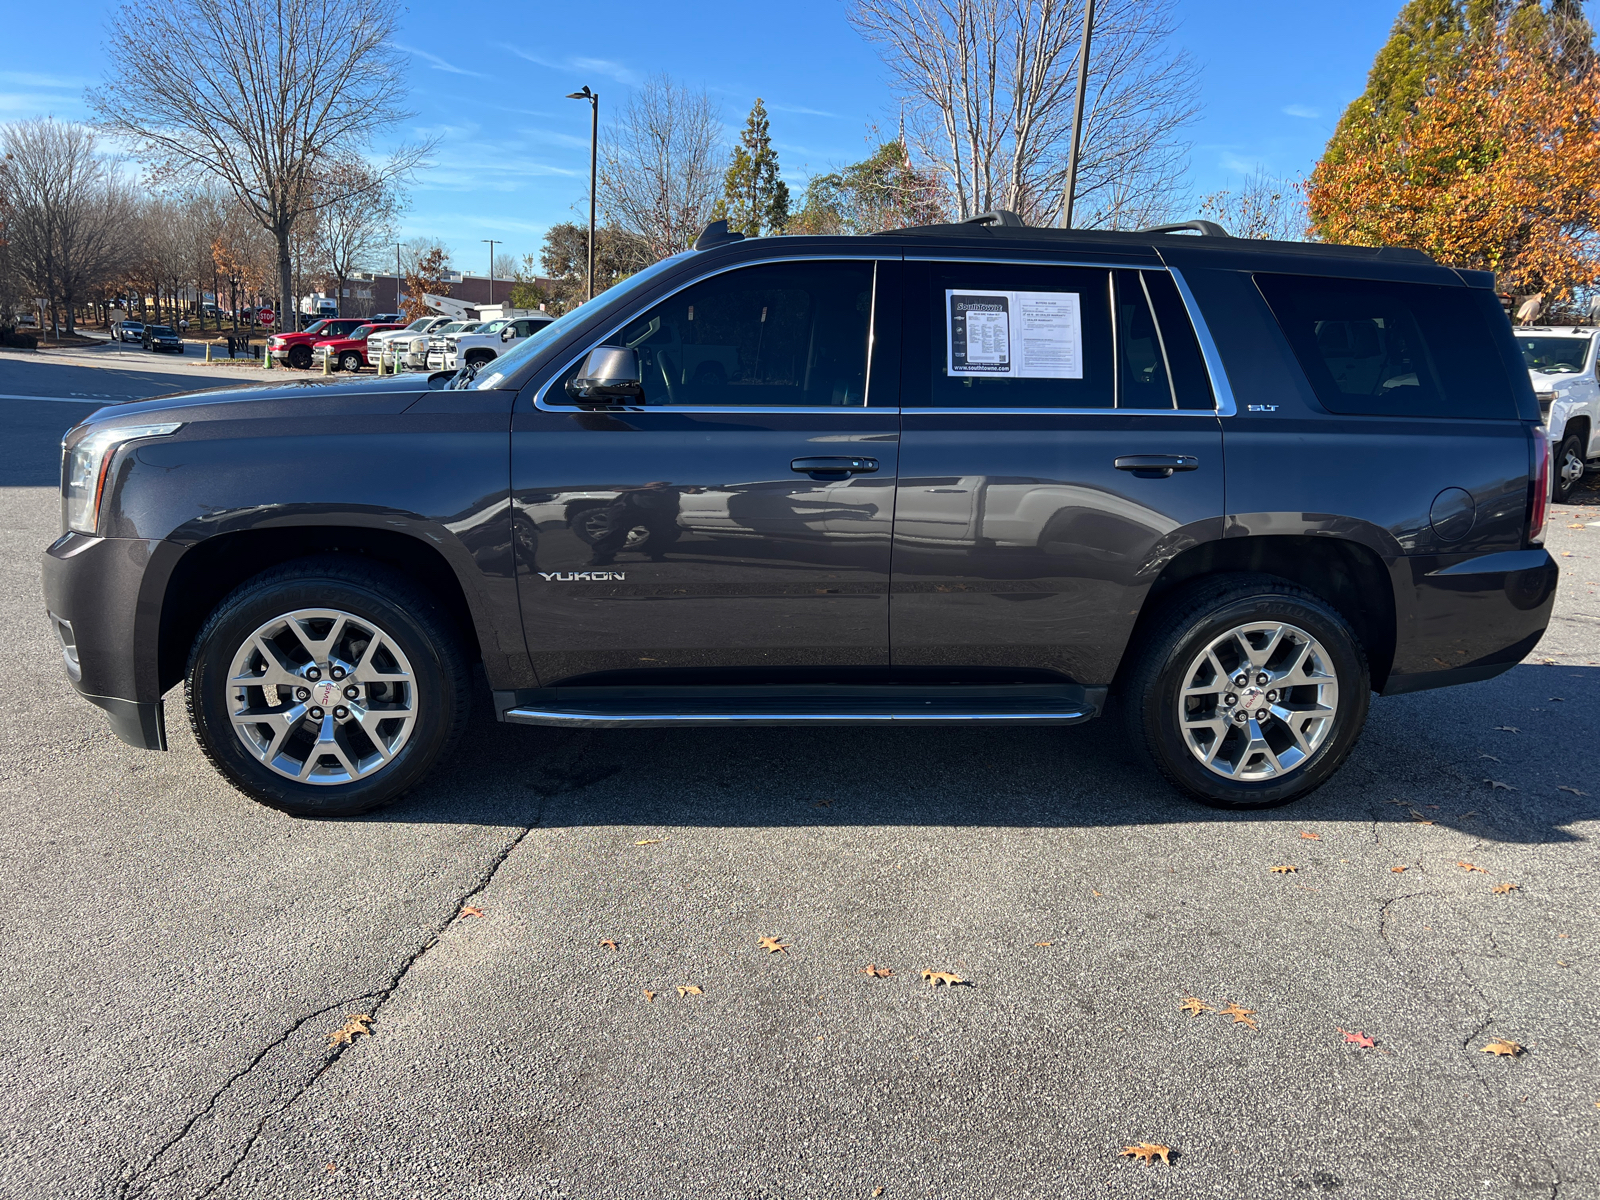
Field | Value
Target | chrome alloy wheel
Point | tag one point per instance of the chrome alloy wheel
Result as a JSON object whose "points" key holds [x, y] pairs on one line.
{"points": [[1258, 701], [1570, 467], [322, 696]]}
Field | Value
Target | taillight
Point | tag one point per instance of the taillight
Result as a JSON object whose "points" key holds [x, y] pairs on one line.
{"points": [[1539, 504]]}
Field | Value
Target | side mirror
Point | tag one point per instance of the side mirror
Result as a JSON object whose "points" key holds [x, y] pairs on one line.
{"points": [[610, 373], [507, 334]]}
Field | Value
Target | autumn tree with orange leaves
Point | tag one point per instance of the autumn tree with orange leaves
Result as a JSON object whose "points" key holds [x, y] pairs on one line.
{"points": [[1496, 166]]}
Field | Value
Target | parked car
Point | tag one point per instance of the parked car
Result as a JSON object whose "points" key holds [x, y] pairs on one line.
{"points": [[27, 321], [486, 344], [295, 349], [1233, 486], [442, 338], [1562, 365], [396, 344], [130, 331], [163, 339], [348, 353]]}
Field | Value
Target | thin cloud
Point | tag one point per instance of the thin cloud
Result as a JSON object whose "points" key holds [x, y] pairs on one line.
{"points": [[438, 63], [29, 80], [802, 111], [1303, 111], [595, 66]]}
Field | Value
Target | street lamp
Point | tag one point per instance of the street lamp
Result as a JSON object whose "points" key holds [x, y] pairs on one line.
{"points": [[1077, 116], [594, 143], [491, 242]]}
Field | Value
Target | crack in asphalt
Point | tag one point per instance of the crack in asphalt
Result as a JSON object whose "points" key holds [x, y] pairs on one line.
{"points": [[565, 780]]}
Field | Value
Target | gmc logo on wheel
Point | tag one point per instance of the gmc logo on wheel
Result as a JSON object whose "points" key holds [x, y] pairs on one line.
{"points": [[590, 576]]}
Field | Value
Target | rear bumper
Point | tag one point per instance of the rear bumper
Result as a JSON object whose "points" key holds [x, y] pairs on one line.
{"points": [[1468, 620], [104, 599]]}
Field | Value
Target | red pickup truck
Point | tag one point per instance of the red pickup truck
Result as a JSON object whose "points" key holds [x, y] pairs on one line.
{"points": [[349, 353], [295, 348]]}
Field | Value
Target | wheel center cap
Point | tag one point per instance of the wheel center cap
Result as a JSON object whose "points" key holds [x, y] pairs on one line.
{"points": [[1252, 698], [324, 692]]}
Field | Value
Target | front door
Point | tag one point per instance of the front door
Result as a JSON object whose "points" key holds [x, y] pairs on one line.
{"points": [[1059, 446], [735, 519]]}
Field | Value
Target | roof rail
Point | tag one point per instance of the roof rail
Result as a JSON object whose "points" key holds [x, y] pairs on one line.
{"points": [[998, 216], [1203, 228], [717, 234]]}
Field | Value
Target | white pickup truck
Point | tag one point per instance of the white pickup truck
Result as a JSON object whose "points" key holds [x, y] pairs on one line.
{"points": [[392, 342], [486, 344], [1562, 364]]}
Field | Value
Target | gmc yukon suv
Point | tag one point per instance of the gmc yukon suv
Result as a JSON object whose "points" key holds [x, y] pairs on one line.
{"points": [[955, 475]]}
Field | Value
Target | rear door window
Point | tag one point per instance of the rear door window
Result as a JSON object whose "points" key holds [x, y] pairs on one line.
{"points": [[1372, 347]]}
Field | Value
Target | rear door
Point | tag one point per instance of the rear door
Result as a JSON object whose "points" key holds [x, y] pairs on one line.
{"points": [[738, 515], [1059, 445]]}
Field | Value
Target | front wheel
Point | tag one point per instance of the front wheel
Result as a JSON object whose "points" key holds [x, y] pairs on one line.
{"points": [[1566, 468], [300, 357], [327, 687], [1249, 693], [349, 361]]}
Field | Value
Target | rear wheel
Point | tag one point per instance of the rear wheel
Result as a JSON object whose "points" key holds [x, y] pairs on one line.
{"points": [[1249, 693], [476, 361], [1566, 468], [327, 687]]}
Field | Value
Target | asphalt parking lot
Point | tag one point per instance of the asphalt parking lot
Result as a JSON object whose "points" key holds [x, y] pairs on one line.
{"points": [[176, 959]]}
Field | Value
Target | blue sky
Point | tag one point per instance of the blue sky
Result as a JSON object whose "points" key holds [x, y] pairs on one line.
{"points": [[490, 79]]}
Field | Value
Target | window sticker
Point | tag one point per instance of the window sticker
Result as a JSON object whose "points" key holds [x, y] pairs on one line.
{"points": [[1014, 335]]}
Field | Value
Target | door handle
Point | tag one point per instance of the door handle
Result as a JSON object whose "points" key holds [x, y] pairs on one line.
{"points": [[1155, 466], [833, 466]]}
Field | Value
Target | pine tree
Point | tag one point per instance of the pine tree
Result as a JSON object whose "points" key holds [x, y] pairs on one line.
{"points": [[755, 200]]}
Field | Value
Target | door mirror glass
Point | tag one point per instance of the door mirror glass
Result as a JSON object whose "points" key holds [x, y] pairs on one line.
{"points": [[508, 333], [610, 374]]}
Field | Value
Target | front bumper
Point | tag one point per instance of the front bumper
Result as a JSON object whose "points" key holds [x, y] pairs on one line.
{"points": [[1462, 621], [103, 596]]}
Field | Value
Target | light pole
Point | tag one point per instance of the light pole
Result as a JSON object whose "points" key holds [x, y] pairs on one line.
{"points": [[491, 267], [1077, 116], [594, 148]]}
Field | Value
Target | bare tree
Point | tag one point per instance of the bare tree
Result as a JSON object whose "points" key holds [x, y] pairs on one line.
{"points": [[355, 226], [989, 89], [69, 211], [661, 166], [260, 95], [1264, 206]]}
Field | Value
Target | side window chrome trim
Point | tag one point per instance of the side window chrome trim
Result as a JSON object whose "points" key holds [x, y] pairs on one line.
{"points": [[868, 256], [1208, 349], [934, 411], [1112, 265]]}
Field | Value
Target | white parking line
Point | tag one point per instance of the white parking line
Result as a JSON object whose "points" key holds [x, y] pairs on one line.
{"points": [[74, 399]]}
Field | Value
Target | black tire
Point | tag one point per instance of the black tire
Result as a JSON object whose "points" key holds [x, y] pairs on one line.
{"points": [[1182, 630], [350, 361], [1566, 468], [300, 357], [476, 361], [407, 615]]}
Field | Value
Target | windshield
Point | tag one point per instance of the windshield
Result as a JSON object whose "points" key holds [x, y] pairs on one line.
{"points": [[614, 297], [1554, 355], [492, 327], [450, 328], [361, 334], [314, 326], [161, 329], [420, 323]]}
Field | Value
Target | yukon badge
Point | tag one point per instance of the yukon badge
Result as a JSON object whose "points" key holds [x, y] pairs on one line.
{"points": [[589, 576]]}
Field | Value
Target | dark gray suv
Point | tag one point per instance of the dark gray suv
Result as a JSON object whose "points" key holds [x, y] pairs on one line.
{"points": [[963, 474]]}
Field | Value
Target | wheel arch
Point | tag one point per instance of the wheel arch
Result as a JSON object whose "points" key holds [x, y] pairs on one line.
{"points": [[210, 569], [1348, 575]]}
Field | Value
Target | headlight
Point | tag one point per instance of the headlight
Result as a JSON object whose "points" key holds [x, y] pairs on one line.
{"points": [[418, 345], [83, 470], [1546, 401]]}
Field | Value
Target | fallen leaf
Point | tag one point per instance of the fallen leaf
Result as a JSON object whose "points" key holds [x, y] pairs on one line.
{"points": [[1466, 866], [608, 944], [878, 1191], [348, 1032], [1502, 1048], [1147, 1152], [649, 842], [1286, 869], [823, 804], [470, 910], [1358, 1038], [1508, 729], [1502, 889], [1561, 787], [773, 946], [1096, 893], [1556, 699], [1397, 870], [650, 997], [1495, 783], [1579, 525], [1419, 818], [689, 989], [1241, 1016], [1044, 943], [330, 1166], [1312, 837], [1489, 756], [935, 978], [1194, 1006], [875, 971]]}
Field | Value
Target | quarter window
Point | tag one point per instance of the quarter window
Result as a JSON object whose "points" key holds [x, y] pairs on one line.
{"points": [[792, 335]]}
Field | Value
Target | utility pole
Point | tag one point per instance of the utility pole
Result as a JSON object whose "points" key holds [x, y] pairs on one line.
{"points": [[399, 276], [491, 242], [1077, 116], [594, 148]]}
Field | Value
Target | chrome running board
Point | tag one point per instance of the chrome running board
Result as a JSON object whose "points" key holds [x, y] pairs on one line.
{"points": [[601, 719]]}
